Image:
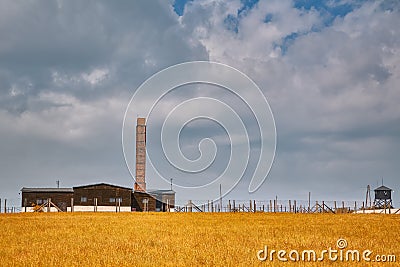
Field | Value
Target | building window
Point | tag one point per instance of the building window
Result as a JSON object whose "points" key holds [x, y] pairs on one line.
{"points": [[83, 199], [113, 200]]}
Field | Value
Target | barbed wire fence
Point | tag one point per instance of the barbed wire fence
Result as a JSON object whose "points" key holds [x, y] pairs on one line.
{"points": [[13, 205], [10, 205], [277, 205]]}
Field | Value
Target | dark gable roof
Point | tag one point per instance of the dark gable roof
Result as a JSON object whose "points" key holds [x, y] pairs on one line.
{"points": [[102, 184], [46, 190], [383, 188]]}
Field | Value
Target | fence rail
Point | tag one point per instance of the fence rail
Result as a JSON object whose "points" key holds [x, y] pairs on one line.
{"points": [[273, 205], [293, 206]]}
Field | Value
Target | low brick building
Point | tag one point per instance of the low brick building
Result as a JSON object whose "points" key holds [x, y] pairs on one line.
{"points": [[102, 197], [61, 197], [97, 197], [165, 199]]}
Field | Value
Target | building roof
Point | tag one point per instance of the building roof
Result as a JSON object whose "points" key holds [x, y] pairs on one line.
{"points": [[383, 188], [46, 190], [102, 184], [161, 191]]}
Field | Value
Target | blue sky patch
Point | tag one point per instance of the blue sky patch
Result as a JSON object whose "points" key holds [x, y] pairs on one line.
{"points": [[179, 6], [328, 9], [232, 23]]}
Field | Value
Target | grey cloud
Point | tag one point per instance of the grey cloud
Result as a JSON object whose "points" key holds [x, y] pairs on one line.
{"points": [[72, 37]]}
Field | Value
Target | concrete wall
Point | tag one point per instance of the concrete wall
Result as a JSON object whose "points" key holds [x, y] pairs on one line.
{"points": [[30, 209], [85, 209], [380, 211], [100, 209]]}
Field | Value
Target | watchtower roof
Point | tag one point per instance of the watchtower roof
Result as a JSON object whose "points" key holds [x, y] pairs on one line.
{"points": [[383, 188]]}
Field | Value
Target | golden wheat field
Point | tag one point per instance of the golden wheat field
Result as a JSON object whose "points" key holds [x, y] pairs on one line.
{"points": [[191, 239]]}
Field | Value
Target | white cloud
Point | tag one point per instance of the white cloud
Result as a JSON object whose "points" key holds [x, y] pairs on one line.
{"points": [[96, 76]]}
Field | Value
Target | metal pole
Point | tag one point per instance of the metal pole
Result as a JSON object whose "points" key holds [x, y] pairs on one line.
{"points": [[220, 196]]}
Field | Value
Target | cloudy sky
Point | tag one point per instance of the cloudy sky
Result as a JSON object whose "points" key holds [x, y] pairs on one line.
{"points": [[329, 70]]}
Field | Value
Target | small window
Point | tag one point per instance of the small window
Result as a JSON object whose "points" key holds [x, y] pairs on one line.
{"points": [[83, 199], [113, 200], [39, 201]]}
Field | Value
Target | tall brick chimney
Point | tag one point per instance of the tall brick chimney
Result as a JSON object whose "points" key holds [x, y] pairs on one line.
{"points": [[140, 184]]}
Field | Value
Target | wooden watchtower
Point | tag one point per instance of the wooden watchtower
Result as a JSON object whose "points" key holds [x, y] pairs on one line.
{"points": [[383, 198]]}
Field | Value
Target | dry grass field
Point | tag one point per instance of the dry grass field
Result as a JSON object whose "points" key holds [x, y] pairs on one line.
{"points": [[184, 239]]}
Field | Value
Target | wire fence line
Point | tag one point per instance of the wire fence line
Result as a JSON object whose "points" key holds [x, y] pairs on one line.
{"points": [[276, 205], [10, 205], [272, 205]]}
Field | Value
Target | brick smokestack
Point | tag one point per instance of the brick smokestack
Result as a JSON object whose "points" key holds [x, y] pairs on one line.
{"points": [[140, 184]]}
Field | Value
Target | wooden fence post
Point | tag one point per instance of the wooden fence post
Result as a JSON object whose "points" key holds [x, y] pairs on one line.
{"points": [[5, 205], [254, 206]]}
